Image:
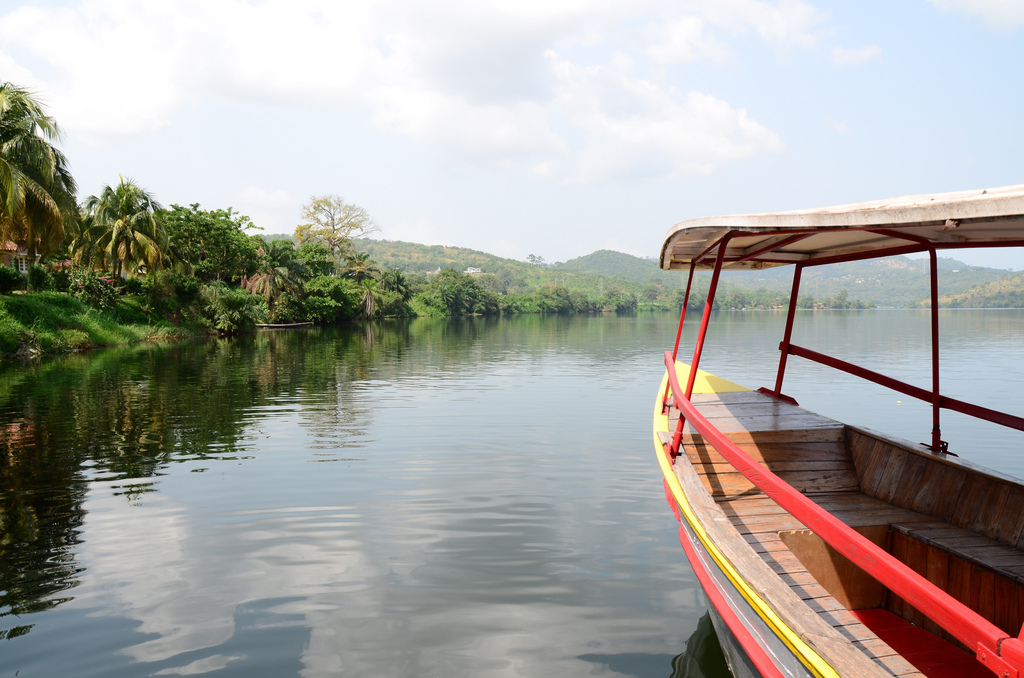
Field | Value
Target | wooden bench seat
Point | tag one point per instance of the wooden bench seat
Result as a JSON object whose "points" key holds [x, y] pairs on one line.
{"points": [[922, 508]]}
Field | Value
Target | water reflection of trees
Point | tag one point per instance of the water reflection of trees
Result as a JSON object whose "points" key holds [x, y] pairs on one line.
{"points": [[125, 415]]}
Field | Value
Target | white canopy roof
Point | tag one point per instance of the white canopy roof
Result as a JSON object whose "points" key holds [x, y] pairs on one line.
{"points": [[984, 216]]}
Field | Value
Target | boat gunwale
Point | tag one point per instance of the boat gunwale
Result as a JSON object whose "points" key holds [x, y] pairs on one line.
{"points": [[818, 646], [848, 233], [987, 640], [761, 603]]}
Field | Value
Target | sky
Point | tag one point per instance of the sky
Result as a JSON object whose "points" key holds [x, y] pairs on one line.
{"points": [[552, 128]]}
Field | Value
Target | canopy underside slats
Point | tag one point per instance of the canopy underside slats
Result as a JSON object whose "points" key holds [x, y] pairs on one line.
{"points": [[983, 218]]}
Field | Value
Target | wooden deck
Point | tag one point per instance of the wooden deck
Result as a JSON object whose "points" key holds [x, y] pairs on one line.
{"points": [[813, 454]]}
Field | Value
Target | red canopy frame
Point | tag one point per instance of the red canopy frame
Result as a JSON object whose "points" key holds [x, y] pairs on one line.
{"points": [[1004, 655]]}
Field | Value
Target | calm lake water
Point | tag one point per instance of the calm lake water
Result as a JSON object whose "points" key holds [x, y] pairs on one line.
{"points": [[464, 497]]}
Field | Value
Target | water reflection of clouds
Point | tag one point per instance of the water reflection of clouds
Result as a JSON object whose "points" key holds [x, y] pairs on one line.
{"points": [[460, 550], [183, 580], [449, 589]]}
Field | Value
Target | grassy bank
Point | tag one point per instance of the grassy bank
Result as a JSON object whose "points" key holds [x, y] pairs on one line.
{"points": [[54, 322]]}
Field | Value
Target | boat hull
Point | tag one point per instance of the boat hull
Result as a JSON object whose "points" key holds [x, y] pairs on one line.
{"points": [[755, 641], [741, 631]]}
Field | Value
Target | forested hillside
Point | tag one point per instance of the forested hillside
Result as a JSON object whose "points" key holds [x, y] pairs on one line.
{"points": [[890, 282], [497, 273], [1007, 293], [624, 266], [612, 279]]}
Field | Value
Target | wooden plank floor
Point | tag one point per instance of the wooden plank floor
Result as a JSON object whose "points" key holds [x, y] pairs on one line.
{"points": [[809, 452], [760, 520], [812, 453]]}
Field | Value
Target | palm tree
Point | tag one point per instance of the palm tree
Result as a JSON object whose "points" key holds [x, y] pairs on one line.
{"points": [[394, 280], [371, 295], [122, 230], [282, 271], [361, 266], [37, 191]]}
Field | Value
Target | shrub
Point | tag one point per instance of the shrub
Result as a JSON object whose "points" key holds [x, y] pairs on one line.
{"points": [[95, 290], [160, 290], [132, 286], [39, 278], [10, 279], [329, 299], [186, 287], [288, 309], [454, 293], [60, 280], [230, 310], [393, 305]]}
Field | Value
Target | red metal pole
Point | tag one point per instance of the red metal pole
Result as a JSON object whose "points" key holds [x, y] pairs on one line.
{"points": [[936, 398], [790, 316], [969, 627], [686, 302], [722, 245], [682, 317], [976, 411]]}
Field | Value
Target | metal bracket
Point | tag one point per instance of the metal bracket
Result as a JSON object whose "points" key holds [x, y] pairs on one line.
{"points": [[782, 396], [995, 663]]}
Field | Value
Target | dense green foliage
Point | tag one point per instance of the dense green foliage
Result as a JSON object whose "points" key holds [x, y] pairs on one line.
{"points": [[10, 279], [317, 259], [40, 278], [230, 310], [212, 243], [330, 299], [622, 266], [454, 293], [93, 289]]}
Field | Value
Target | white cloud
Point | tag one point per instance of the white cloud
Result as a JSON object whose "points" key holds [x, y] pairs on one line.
{"points": [[121, 47], [684, 39], [1003, 15], [14, 72], [473, 81], [636, 126], [787, 23], [842, 56]]}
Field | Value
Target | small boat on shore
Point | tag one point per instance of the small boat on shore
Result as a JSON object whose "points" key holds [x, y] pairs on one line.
{"points": [[826, 549], [282, 326]]}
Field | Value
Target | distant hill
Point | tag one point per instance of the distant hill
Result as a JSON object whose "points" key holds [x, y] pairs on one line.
{"points": [[415, 258], [512, 275], [624, 266], [1007, 293], [895, 282], [892, 281]]}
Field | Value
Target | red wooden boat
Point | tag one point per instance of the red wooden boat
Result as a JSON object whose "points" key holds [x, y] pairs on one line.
{"points": [[826, 549]]}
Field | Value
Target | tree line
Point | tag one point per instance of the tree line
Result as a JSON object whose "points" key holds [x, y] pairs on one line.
{"points": [[123, 253]]}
